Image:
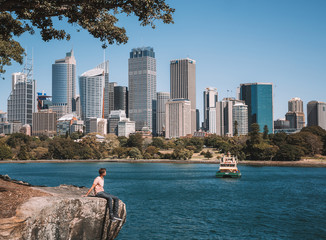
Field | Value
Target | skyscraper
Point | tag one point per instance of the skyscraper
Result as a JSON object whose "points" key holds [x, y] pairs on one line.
{"points": [[259, 98], [121, 98], [178, 118], [91, 89], [225, 113], [210, 99], [105, 67], [162, 98], [183, 84], [22, 99], [316, 114], [295, 105], [240, 118], [64, 84], [295, 114], [111, 87], [142, 86]]}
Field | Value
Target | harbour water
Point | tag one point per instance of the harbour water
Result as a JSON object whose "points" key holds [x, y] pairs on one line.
{"points": [[186, 201]]}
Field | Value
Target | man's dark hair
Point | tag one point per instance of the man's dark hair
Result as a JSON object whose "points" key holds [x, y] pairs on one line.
{"points": [[101, 171]]}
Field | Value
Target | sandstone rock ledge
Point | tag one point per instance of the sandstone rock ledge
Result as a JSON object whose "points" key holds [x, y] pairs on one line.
{"points": [[54, 213]]}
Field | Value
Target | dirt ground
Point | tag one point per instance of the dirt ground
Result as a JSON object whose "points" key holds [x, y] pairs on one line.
{"points": [[13, 195]]}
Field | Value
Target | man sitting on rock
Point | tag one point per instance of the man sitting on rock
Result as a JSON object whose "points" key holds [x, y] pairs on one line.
{"points": [[98, 186]]}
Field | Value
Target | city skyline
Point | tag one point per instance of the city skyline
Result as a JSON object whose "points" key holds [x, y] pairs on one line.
{"points": [[272, 43]]}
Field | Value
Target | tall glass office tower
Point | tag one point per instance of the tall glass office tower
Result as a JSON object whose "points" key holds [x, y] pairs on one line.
{"points": [[91, 88], [259, 98], [142, 86], [64, 83]]}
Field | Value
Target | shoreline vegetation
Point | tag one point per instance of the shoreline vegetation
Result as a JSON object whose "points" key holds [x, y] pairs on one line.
{"points": [[256, 148], [300, 163]]}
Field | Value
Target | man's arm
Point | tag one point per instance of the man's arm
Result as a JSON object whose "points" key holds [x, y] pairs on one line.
{"points": [[89, 191]]}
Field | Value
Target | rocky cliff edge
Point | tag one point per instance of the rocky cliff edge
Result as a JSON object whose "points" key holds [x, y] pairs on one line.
{"points": [[54, 213]]}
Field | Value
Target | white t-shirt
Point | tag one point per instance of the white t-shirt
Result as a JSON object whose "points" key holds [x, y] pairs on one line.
{"points": [[99, 185]]}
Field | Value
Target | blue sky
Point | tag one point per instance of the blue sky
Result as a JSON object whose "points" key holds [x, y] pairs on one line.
{"points": [[232, 41]]}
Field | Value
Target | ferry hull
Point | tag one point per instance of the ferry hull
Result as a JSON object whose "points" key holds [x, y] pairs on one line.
{"points": [[228, 175]]}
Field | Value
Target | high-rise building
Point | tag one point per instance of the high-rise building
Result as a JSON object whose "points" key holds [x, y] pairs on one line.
{"points": [[142, 86], [121, 98], [259, 98], [91, 89], [295, 105], [178, 118], [111, 87], [183, 84], [295, 114], [105, 67], [3, 116], [210, 99], [197, 120], [22, 99], [162, 98], [64, 84], [44, 123], [225, 114], [240, 118], [114, 118], [316, 114]]}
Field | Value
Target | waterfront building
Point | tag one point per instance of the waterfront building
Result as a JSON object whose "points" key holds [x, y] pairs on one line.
{"points": [[121, 98], [259, 98], [10, 127], [296, 120], [114, 118], [91, 89], [316, 114], [183, 84], [142, 86], [96, 125], [210, 98], [69, 123], [22, 99], [281, 124], [295, 114], [3, 116], [162, 98], [178, 118], [126, 127], [224, 117], [64, 84], [44, 123], [240, 118]]}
